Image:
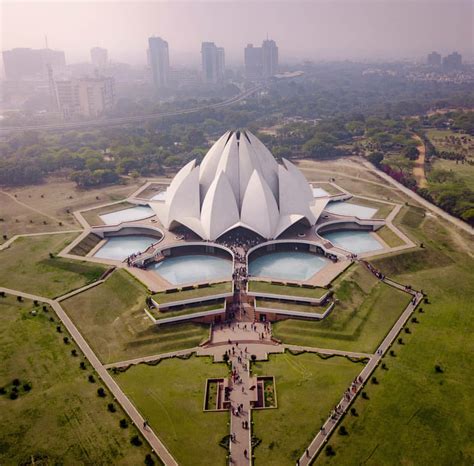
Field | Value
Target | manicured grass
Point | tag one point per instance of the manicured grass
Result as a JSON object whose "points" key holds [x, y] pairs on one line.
{"points": [[390, 237], [86, 245], [27, 266], [307, 388], [266, 287], [93, 216], [188, 310], [429, 413], [366, 311], [288, 306], [111, 318], [61, 420], [171, 396], [216, 288]]}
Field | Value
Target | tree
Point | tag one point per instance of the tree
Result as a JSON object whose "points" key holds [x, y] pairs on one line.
{"points": [[375, 158], [411, 152]]}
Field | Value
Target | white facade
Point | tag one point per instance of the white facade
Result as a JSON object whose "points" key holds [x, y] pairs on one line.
{"points": [[238, 184]]}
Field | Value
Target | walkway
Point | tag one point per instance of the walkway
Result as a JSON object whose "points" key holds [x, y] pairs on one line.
{"points": [[419, 168]]}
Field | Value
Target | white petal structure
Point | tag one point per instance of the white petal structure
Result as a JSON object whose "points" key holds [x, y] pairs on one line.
{"points": [[238, 184]]}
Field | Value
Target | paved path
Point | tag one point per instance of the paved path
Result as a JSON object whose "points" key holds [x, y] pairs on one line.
{"points": [[419, 167], [116, 391], [240, 397], [349, 396], [311, 349], [152, 358]]}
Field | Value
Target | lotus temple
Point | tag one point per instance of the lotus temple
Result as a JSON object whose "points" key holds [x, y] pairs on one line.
{"points": [[227, 238]]}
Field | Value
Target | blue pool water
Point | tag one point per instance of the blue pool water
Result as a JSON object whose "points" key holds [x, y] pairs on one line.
{"points": [[287, 265], [127, 215], [179, 270], [320, 192], [355, 241], [346, 208], [120, 247]]}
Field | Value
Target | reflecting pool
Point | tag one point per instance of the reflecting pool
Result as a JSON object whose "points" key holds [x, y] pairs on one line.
{"points": [[356, 241], [287, 265], [138, 212], [346, 208], [193, 268], [120, 247]]}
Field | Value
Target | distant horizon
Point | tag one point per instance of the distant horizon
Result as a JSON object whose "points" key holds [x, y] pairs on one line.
{"points": [[322, 31]]}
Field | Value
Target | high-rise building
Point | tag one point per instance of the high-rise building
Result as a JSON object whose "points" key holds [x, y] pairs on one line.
{"points": [[434, 59], [213, 62], [269, 58], [220, 63], [99, 57], [452, 61], [261, 62], [159, 60], [89, 97], [23, 62], [253, 62]]}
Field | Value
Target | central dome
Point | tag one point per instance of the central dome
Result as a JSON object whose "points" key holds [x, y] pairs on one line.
{"points": [[238, 184]]}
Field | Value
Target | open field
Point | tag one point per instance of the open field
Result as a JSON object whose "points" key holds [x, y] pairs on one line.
{"points": [[266, 287], [19, 219], [27, 266], [110, 316], [448, 140], [51, 202], [215, 288], [61, 420], [366, 311], [307, 388], [463, 170], [171, 397], [429, 413]]}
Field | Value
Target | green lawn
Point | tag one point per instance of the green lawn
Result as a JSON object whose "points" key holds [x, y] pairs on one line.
{"points": [[61, 420], [266, 287], [390, 237], [463, 170], [27, 266], [429, 414], [307, 388], [366, 311], [287, 306], [111, 318], [188, 310], [171, 397], [216, 288]]}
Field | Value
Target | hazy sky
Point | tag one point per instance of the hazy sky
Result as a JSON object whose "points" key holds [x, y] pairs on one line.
{"points": [[331, 29]]}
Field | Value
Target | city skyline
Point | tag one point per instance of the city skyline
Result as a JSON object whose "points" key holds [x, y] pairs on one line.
{"points": [[326, 31]]}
